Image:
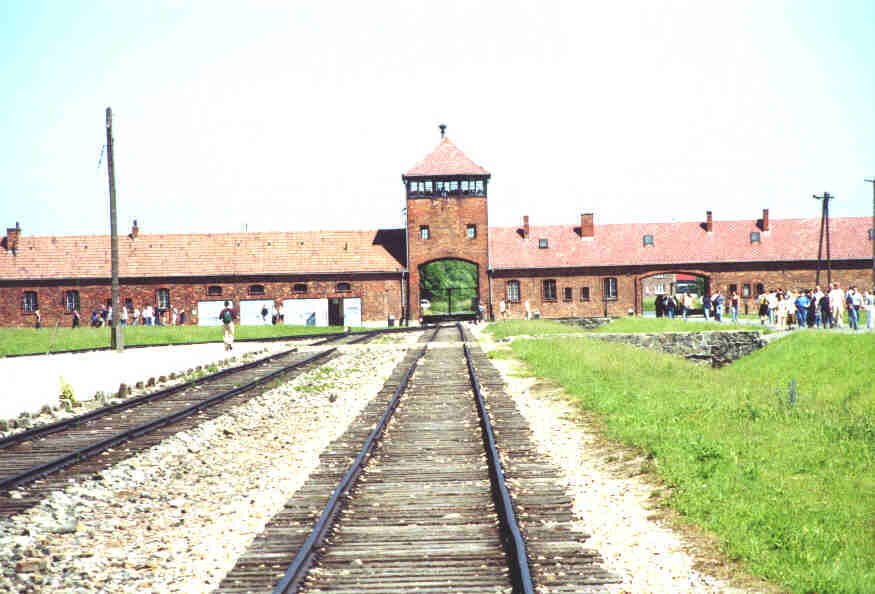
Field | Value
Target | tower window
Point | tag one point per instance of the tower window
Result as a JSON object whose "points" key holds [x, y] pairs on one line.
{"points": [[423, 231], [754, 236], [542, 244], [648, 240], [870, 234], [472, 231]]}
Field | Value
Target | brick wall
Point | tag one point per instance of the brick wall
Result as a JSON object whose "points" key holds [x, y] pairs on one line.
{"points": [[380, 296], [447, 219]]}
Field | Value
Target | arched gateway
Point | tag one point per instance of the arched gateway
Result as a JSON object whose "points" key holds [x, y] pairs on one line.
{"points": [[446, 222]]}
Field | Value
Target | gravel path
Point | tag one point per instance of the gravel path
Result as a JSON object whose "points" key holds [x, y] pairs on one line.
{"points": [[176, 517]]}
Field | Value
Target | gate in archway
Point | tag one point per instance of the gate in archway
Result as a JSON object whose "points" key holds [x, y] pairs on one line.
{"points": [[448, 288]]}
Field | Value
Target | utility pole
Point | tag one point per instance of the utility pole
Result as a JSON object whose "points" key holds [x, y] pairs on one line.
{"points": [[872, 238], [115, 330], [824, 225]]}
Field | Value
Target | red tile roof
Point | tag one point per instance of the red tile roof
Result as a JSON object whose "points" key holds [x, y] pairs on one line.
{"points": [[447, 159], [89, 256], [678, 243]]}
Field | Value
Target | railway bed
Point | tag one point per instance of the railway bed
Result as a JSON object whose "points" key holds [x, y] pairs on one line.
{"points": [[43, 459], [423, 514]]}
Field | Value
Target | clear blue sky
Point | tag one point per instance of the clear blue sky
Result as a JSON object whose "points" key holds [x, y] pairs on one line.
{"points": [[296, 116]]}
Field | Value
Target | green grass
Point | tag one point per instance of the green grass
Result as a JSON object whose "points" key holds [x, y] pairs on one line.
{"points": [[18, 341], [504, 329], [786, 483]]}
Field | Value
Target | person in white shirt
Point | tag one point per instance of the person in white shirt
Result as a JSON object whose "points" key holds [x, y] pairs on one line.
{"points": [[773, 306], [124, 317], [837, 305], [869, 305]]}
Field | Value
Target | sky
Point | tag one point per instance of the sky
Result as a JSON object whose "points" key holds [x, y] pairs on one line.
{"points": [[287, 116]]}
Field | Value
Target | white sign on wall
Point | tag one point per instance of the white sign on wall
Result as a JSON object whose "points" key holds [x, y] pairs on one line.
{"points": [[306, 312], [250, 311], [352, 311], [208, 312]]}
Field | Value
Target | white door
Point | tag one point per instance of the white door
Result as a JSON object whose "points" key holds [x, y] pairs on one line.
{"points": [[250, 311], [208, 312], [306, 312], [352, 311]]}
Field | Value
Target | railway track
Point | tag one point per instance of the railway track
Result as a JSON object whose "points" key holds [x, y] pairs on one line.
{"points": [[424, 505], [44, 458]]}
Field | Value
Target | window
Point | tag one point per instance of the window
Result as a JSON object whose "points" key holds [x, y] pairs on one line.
{"points": [[610, 288], [214, 291], [343, 287], [659, 289], [256, 289], [163, 298], [754, 236], [870, 234], [300, 288], [548, 290], [71, 301], [745, 290], [513, 291], [479, 186], [542, 244], [567, 294], [472, 231], [423, 232], [428, 187], [648, 240], [761, 288], [584, 293], [28, 302]]}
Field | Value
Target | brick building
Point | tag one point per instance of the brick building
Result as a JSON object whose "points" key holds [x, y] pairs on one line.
{"points": [[352, 277]]}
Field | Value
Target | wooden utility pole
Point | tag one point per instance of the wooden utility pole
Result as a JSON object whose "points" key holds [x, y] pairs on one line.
{"points": [[872, 231], [824, 225], [115, 329]]}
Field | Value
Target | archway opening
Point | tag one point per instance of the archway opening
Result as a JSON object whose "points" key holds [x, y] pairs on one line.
{"points": [[448, 288], [658, 287]]}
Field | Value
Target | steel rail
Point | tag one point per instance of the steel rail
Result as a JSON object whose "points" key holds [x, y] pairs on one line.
{"points": [[42, 430], [515, 544], [93, 449], [306, 555]]}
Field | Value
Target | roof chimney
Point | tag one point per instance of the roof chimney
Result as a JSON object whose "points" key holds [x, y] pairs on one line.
{"points": [[709, 223], [12, 236], [135, 231], [526, 227], [587, 226], [765, 219]]}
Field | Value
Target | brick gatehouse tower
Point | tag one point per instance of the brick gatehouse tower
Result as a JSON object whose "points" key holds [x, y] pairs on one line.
{"points": [[446, 217]]}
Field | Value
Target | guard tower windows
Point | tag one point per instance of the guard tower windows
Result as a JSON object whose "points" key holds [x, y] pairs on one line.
{"points": [[471, 231], [424, 232]]}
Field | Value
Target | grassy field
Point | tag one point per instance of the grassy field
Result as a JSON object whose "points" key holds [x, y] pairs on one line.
{"points": [[507, 328], [782, 475], [17, 341]]}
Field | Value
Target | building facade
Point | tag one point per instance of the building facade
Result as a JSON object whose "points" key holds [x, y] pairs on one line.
{"points": [[374, 277]]}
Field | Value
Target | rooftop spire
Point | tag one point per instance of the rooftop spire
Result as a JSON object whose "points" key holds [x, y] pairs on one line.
{"points": [[443, 128]]}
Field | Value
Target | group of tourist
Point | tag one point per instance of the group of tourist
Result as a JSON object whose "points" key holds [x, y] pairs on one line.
{"points": [[817, 309], [148, 316], [807, 308]]}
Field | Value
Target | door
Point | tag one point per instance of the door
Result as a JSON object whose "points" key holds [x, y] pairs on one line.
{"points": [[335, 311]]}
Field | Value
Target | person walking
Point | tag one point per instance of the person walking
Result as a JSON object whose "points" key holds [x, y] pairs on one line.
{"points": [[733, 307], [38, 318], [226, 316], [869, 305], [763, 300], [123, 319], [528, 310], [772, 298], [836, 306], [502, 309], [854, 301], [77, 319], [802, 303], [706, 306], [717, 300], [670, 306]]}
